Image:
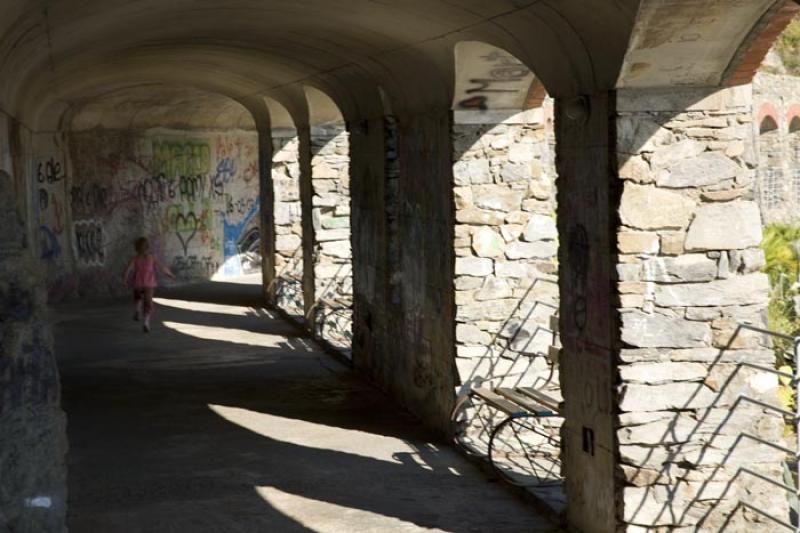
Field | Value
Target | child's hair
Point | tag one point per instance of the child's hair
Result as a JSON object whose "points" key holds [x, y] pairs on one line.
{"points": [[141, 245]]}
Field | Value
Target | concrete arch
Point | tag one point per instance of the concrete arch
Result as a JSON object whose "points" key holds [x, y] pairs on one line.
{"points": [[157, 105], [489, 78], [322, 110]]}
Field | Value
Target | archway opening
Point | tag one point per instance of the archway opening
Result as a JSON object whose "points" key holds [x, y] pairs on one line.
{"points": [[330, 313], [506, 247], [176, 165], [288, 212]]}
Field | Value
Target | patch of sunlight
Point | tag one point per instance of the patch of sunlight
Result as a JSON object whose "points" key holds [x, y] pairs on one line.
{"points": [[236, 310], [326, 517], [238, 336], [314, 435], [244, 279]]}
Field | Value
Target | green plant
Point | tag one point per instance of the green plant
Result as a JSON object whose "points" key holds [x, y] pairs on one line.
{"points": [[788, 47], [780, 250]]}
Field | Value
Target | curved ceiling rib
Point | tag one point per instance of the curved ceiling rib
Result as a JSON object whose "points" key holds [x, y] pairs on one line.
{"points": [[62, 53]]}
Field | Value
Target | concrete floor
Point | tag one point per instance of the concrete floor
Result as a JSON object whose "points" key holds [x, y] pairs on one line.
{"points": [[223, 419]]}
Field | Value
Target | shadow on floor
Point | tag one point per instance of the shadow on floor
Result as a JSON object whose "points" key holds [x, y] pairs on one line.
{"points": [[223, 420]]}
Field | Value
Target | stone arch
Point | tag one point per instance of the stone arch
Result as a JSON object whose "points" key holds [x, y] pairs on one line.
{"points": [[793, 118], [767, 124], [328, 253], [767, 118], [505, 238], [287, 290], [793, 153]]}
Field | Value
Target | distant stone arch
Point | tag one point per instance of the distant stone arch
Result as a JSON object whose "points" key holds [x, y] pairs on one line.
{"points": [[767, 119]]}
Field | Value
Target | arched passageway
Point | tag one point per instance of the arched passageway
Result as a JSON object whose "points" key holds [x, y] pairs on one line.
{"points": [[249, 107]]}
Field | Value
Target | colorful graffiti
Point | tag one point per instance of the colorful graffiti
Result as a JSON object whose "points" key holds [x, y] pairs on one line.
{"points": [[234, 236], [181, 158], [187, 192]]}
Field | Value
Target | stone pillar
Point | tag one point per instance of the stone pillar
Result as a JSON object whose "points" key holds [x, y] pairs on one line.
{"points": [[587, 199], [32, 425], [420, 370], [306, 198], [288, 221], [267, 215], [371, 241], [689, 271], [659, 262]]}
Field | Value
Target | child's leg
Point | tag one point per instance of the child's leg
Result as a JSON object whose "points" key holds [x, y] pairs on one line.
{"points": [[138, 297], [148, 306]]}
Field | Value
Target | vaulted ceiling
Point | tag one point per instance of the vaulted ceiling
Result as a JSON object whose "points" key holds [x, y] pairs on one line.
{"points": [[64, 58]]}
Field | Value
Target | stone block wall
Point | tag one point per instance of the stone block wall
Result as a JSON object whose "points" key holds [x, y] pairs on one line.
{"points": [[33, 445], [288, 226], [332, 253], [373, 144], [506, 247], [193, 194], [688, 271], [403, 182]]}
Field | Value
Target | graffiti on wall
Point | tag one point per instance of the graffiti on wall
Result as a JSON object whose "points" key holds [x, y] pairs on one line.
{"points": [[49, 171], [188, 193], [50, 206], [490, 78], [89, 243]]}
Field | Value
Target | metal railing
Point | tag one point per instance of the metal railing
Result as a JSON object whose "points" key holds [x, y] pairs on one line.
{"points": [[793, 378]]}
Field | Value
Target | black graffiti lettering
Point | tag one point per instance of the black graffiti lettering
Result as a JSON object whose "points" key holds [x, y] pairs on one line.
{"points": [[474, 102], [187, 267], [186, 227], [485, 83], [189, 187], [89, 245], [241, 206], [44, 199], [89, 199], [49, 172]]}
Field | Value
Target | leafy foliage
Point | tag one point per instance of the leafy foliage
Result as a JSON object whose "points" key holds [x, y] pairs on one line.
{"points": [[780, 247], [788, 47]]}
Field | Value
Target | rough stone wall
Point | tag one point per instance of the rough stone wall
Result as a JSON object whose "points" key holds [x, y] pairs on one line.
{"points": [[688, 265], [193, 194], [372, 316], [778, 151], [421, 371], [288, 226], [32, 425], [49, 191], [587, 319], [506, 247], [331, 252]]}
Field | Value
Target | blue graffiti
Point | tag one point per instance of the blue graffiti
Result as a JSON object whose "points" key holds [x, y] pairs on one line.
{"points": [[48, 241], [226, 169], [232, 234]]}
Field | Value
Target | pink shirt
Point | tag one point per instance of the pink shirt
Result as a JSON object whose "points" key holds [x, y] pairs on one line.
{"points": [[144, 272]]}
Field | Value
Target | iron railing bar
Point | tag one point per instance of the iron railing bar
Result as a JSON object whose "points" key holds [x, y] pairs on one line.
{"points": [[766, 405], [763, 513], [778, 447], [762, 477], [767, 369], [767, 332]]}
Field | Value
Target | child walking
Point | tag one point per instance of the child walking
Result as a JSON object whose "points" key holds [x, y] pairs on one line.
{"points": [[141, 273]]}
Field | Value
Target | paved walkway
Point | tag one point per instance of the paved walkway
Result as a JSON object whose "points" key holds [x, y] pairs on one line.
{"points": [[223, 419]]}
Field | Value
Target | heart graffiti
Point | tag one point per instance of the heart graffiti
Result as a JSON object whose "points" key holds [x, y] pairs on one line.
{"points": [[187, 223]]}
